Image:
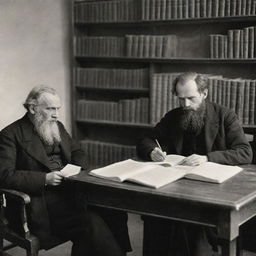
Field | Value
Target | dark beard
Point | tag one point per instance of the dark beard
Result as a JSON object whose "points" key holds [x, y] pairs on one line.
{"points": [[192, 121], [48, 131]]}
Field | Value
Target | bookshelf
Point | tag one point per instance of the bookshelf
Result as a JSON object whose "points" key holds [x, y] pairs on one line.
{"points": [[127, 52]]}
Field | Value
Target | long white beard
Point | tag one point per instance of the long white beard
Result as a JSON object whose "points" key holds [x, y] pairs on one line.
{"points": [[48, 131]]}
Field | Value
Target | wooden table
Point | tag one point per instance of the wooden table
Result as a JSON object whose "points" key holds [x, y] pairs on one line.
{"points": [[224, 206]]}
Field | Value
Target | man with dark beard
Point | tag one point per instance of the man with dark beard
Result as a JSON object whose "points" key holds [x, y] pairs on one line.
{"points": [[202, 131], [33, 150]]}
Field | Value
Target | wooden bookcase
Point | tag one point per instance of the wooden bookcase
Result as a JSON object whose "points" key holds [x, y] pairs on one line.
{"points": [[105, 76]]}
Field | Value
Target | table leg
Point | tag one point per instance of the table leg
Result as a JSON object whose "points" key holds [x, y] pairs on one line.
{"points": [[229, 248]]}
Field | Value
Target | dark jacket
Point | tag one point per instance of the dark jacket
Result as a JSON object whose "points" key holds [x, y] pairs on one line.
{"points": [[225, 141], [24, 165]]}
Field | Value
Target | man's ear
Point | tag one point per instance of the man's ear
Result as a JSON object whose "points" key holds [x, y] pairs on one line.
{"points": [[31, 109], [205, 93]]}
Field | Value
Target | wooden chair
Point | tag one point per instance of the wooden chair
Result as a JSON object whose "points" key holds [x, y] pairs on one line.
{"points": [[20, 235], [22, 238]]}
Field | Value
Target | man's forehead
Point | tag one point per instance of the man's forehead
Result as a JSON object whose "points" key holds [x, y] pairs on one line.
{"points": [[49, 99], [187, 85]]}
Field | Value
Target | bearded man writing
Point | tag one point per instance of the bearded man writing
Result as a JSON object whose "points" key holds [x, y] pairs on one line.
{"points": [[33, 150], [202, 131]]}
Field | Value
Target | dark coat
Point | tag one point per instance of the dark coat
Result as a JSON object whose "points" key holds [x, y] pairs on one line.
{"points": [[225, 140], [24, 165], [225, 143]]}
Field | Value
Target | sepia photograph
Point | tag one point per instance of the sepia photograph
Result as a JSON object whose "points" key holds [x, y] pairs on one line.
{"points": [[128, 127]]}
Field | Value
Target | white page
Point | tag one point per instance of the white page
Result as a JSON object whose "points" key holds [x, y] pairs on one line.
{"points": [[174, 159], [120, 170], [158, 176], [171, 160], [70, 169], [213, 172]]}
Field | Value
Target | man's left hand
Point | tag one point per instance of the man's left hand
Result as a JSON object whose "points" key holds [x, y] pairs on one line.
{"points": [[194, 160]]}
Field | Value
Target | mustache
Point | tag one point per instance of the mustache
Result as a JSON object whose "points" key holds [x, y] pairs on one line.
{"points": [[188, 109]]}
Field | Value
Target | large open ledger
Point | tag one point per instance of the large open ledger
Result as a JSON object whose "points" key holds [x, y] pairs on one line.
{"points": [[158, 174]]}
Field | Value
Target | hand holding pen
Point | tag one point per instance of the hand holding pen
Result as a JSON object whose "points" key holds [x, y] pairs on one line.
{"points": [[157, 154]]}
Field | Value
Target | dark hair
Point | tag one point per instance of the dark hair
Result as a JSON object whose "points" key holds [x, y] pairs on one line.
{"points": [[35, 93], [201, 81]]}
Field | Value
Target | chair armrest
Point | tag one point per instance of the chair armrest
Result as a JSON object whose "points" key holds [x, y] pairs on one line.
{"points": [[16, 195], [18, 198]]}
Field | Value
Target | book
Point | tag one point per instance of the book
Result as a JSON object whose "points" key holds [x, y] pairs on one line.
{"points": [[70, 170], [158, 174]]}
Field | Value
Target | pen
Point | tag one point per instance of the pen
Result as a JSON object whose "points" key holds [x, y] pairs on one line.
{"points": [[158, 144]]}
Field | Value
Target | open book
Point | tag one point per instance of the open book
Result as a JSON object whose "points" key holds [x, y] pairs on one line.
{"points": [[158, 174], [70, 169]]}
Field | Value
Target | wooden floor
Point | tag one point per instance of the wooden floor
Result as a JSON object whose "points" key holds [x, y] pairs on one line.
{"points": [[135, 230]]}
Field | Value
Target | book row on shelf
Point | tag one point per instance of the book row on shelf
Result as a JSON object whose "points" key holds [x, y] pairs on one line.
{"points": [[99, 46], [103, 153], [111, 78], [140, 46], [149, 46], [127, 110], [107, 11], [161, 97], [189, 9], [237, 44], [136, 10], [237, 94]]}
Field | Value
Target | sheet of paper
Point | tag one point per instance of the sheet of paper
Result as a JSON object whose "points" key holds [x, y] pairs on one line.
{"points": [[120, 170], [170, 160], [70, 169], [213, 172], [158, 176]]}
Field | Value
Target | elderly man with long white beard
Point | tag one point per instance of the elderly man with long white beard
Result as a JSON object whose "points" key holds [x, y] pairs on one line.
{"points": [[33, 150]]}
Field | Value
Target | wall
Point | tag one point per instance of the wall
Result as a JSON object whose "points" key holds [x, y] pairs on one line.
{"points": [[34, 49]]}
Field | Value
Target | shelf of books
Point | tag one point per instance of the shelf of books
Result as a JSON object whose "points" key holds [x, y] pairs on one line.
{"points": [[181, 60], [123, 74]]}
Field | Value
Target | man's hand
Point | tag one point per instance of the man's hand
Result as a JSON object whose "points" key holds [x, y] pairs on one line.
{"points": [[194, 160], [157, 155], [53, 178]]}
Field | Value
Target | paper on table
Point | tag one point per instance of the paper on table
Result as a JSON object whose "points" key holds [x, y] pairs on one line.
{"points": [[70, 169], [170, 160]]}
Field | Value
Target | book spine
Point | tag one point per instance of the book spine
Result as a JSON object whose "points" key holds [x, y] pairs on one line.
{"points": [[209, 8], [212, 49], [191, 9], [236, 42], [252, 102], [215, 9], [240, 100], [230, 44], [169, 9], [243, 7], [197, 8], [246, 43], [175, 9], [233, 94], [180, 9], [246, 102], [251, 42], [186, 9], [222, 5], [153, 92], [227, 8]]}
